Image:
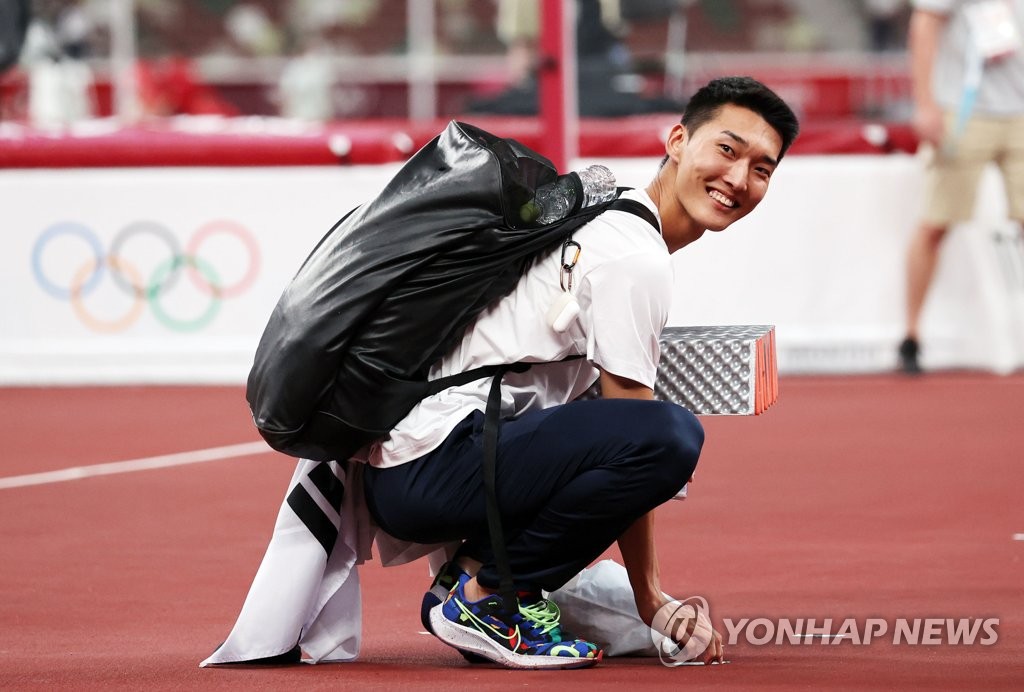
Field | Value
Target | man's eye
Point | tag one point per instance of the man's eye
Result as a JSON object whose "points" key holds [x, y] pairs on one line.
{"points": [[726, 148]]}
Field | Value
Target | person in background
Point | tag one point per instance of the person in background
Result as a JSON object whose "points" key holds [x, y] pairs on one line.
{"points": [[607, 83], [967, 71], [886, 24], [14, 19], [305, 88], [171, 85]]}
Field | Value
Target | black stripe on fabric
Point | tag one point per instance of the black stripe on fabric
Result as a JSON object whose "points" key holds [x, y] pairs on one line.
{"points": [[328, 484], [318, 523]]}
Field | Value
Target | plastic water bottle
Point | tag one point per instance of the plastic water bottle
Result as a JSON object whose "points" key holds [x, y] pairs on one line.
{"points": [[556, 200]]}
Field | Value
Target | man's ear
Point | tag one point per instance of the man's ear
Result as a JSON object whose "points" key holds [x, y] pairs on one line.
{"points": [[676, 140]]}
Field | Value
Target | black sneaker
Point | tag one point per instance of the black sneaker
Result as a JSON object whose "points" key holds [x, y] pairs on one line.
{"points": [[908, 353]]}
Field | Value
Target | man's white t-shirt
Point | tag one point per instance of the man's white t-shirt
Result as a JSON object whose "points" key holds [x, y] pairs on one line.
{"points": [[623, 282]]}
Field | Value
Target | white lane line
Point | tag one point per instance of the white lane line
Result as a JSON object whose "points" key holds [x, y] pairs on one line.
{"points": [[1018, 536], [178, 459]]}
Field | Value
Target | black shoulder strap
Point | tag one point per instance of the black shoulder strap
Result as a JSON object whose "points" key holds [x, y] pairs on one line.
{"points": [[636, 208], [492, 415], [467, 376]]}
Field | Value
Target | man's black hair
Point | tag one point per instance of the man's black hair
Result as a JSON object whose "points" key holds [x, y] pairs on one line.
{"points": [[745, 92]]}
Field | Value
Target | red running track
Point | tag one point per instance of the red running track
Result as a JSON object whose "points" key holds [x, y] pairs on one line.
{"points": [[862, 497]]}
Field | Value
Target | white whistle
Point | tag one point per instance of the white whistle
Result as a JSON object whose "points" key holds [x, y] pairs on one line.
{"points": [[563, 311]]}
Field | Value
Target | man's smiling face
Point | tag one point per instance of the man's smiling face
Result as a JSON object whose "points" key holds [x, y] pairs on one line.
{"points": [[724, 166]]}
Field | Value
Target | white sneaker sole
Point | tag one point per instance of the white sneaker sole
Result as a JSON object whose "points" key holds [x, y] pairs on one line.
{"points": [[466, 639]]}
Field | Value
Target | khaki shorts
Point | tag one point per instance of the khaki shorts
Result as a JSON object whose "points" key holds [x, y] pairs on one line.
{"points": [[953, 173]]}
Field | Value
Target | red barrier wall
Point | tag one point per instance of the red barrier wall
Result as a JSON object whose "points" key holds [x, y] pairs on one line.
{"points": [[258, 141]]}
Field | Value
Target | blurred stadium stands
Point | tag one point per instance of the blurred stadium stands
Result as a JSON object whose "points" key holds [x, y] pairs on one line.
{"points": [[834, 60]]}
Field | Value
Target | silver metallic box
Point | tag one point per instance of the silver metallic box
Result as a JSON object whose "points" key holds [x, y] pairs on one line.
{"points": [[722, 370], [727, 370]]}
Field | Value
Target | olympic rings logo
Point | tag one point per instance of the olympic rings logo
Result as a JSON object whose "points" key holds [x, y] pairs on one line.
{"points": [[166, 267]]}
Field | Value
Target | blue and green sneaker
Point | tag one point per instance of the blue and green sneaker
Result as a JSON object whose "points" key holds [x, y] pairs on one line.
{"points": [[529, 638]]}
